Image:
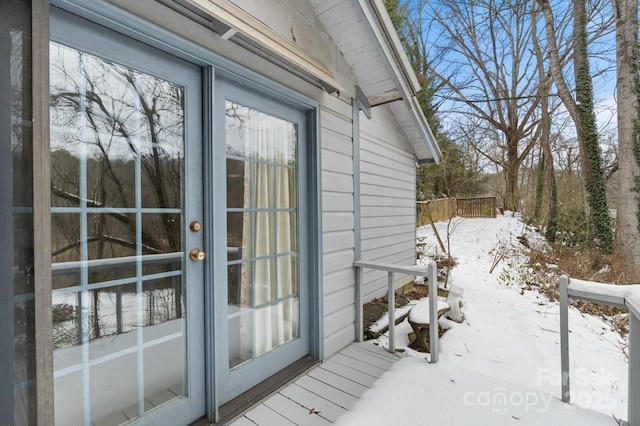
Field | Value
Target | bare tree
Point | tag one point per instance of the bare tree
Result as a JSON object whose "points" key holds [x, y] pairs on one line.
{"points": [[495, 78], [547, 169], [627, 230], [581, 110]]}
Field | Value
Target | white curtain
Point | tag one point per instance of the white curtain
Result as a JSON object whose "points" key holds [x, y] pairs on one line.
{"points": [[272, 187]]}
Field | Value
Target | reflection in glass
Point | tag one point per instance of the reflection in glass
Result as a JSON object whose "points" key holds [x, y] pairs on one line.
{"points": [[238, 230], [262, 232], [107, 393], [17, 341], [117, 166], [240, 289], [167, 357], [240, 337], [65, 404], [161, 306]]}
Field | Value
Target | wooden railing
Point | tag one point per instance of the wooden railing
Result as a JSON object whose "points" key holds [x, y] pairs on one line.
{"points": [[622, 296], [445, 208], [416, 270]]}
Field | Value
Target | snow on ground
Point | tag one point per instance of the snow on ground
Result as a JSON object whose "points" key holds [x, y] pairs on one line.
{"points": [[508, 334]]}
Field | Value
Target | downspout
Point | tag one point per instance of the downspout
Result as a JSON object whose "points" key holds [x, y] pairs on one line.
{"points": [[357, 224], [360, 103]]}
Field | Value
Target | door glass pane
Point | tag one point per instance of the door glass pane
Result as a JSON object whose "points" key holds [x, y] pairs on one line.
{"points": [[117, 167], [17, 319], [262, 233]]}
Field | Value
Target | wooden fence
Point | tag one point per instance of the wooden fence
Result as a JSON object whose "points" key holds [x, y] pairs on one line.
{"points": [[476, 207], [445, 208]]}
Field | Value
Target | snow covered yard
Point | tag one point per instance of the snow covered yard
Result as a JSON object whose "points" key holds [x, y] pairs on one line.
{"points": [[503, 362]]}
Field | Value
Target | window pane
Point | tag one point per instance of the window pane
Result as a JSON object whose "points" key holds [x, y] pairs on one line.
{"points": [[237, 184], [240, 338], [17, 319], [167, 357], [240, 287], [262, 232], [117, 153], [66, 325], [113, 390], [66, 403], [239, 225]]}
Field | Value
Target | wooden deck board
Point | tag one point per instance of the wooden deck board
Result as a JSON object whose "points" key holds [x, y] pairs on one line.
{"points": [[328, 392], [265, 416], [325, 392], [368, 358], [337, 381], [243, 421], [294, 411], [375, 350], [310, 401], [358, 365], [349, 373]]}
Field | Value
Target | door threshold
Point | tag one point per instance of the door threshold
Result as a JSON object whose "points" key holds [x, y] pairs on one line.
{"points": [[261, 391]]}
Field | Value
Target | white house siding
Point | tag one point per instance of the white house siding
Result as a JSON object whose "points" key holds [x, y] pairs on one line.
{"points": [[337, 225], [388, 206]]}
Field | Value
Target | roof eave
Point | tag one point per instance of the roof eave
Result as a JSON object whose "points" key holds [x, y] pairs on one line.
{"points": [[376, 15]]}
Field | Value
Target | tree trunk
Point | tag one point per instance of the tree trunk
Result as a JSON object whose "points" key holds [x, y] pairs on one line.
{"points": [[539, 188], [628, 233], [544, 88], [511, 172], [581, 110], [587, 131], [550, 176], [547, 156]]}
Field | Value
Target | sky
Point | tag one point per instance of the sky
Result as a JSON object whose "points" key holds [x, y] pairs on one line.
{"points": [[450, 62]]}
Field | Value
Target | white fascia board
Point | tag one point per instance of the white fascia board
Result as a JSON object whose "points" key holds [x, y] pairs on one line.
{"points": [[381, 36], [426, 131], [396, 44], [256, 31]]}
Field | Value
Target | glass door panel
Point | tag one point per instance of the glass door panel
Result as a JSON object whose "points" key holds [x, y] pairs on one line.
{"points": [[266, 327], [261, 232], [123, 292]]}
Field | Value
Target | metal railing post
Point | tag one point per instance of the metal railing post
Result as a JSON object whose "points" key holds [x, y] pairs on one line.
{"points": [[391, 269], [433, 312], [391, 297], [359, 309], [634, 369], [564, 337]]}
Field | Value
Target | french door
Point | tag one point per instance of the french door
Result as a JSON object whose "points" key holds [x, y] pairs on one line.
{"points": [[127, 219], [263, 300], [129, 178]]}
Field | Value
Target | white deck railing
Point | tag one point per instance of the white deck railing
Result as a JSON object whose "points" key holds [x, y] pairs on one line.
{"points": [[416, 270], [622, 296]]}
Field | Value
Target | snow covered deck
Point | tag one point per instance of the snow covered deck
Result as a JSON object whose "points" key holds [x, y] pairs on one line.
{"points": [[452, 395], [325, 392], [350, 389]]}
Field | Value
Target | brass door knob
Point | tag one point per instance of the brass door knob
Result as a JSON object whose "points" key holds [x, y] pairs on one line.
{"points": [[196, 255]]}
